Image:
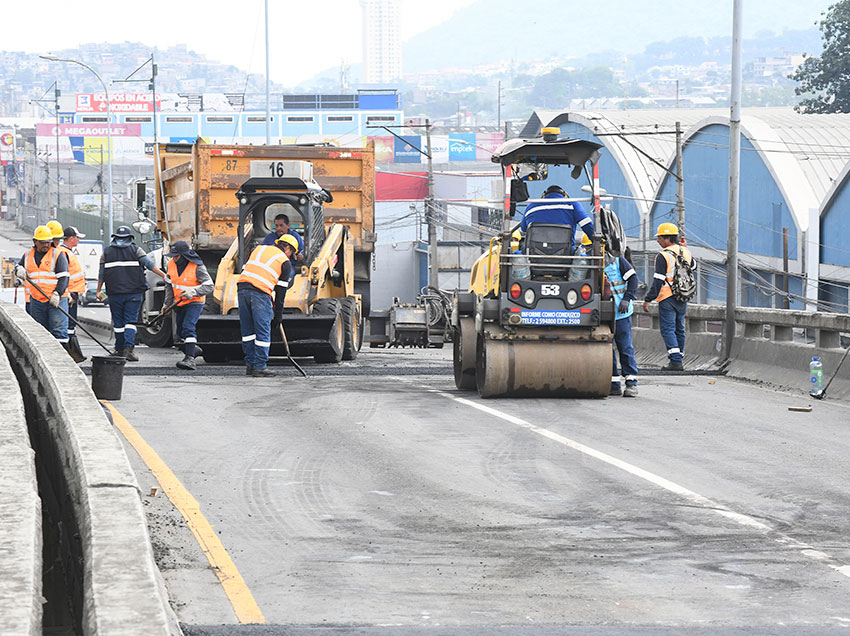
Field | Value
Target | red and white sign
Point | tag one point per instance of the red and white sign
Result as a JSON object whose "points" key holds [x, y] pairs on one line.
{"points": [[88, 130], [118, 102], [7, 144]]}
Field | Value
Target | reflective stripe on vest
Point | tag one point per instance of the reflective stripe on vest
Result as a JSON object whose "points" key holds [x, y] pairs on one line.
{"points": [[123, 273], [263, 268], [181, 282], [669, 254], [618, 285], [76, 276], [43, 275]]}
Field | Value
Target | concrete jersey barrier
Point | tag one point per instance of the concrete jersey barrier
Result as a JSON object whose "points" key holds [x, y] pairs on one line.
{"points": [[20, 515], [123, 593]]}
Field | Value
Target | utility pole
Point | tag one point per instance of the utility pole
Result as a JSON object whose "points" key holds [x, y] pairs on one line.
{"points": [[734, 182], [268, 102], [56, 108], [785, 302], [101, 194], [499, 106], [430, 216], [680, 181]]}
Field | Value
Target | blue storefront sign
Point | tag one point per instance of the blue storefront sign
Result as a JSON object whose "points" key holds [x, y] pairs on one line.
{"points": [[462, 147], [405, 149]]}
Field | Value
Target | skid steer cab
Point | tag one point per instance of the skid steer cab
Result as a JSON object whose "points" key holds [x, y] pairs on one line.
{"points": [[322, 314], [535, 320]]}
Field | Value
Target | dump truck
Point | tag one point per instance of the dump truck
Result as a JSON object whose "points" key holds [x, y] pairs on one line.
{"points": [[196, 186], [535, 320]]}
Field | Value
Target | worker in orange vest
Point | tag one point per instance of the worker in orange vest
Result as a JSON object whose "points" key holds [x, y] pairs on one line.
{"points": [[47, 267], [190, 284], [76, 287], [266, 275]]}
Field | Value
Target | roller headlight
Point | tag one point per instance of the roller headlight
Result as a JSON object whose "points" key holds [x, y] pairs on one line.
{"points": [[572, 297], [529, 297]]}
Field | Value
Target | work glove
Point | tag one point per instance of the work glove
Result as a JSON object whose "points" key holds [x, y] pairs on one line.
{"points": [[54, 299], [278, 318], [21, 272], [167, 278], [190, 293], [624, 306]]}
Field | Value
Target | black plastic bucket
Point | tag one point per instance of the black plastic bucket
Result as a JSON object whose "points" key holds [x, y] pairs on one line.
{"points": [[107, 376]]}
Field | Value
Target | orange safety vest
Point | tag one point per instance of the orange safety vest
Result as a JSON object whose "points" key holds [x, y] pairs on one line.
{"points": [[76, 276], [43, 275], [669, 254], [182, 282], [263, 268]]}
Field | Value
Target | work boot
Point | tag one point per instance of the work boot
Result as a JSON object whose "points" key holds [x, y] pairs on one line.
{"points": [[673, 366], [117, 353], [631, 391], [187, 363], [248, 370], [262, 373], [128, 353], [616, 389], [75, 355], [75, 351]]}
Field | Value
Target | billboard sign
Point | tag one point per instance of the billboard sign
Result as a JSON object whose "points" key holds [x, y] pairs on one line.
{"points": [[7, 144], [406, 149], [118, 102], [462, 147], [88, 130]]}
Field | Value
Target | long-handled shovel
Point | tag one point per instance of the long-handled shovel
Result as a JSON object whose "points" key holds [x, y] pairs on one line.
{"points": [[86, 331], [286, 346], [162, 314]]}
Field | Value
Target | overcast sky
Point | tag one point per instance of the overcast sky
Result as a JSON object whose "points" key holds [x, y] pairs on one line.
{"points": [[305, 37]]}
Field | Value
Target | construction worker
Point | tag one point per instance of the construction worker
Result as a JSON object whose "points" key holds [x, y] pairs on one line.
{"points": [[56, 229], [76, 286], [122, 270], [558, 211], [266, 274], [46, 267], [281, 227], [624, 284], [190, 284], [671, 311]]}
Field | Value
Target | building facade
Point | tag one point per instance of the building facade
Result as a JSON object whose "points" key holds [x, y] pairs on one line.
{"points": [[381, 41]]}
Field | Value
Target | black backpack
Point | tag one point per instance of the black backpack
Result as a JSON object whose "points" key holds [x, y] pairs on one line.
{"points": [[684, 283]]}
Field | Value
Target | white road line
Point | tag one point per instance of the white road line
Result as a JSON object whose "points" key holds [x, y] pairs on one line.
{"points": [[689, 495]]}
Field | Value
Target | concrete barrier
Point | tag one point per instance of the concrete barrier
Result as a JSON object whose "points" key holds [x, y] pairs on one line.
{"points": [[764, 349], [20, 515], [117, 588]]}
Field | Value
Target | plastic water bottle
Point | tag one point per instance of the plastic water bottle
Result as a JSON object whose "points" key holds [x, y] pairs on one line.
{"points": [[816, 376], [521, 267]]}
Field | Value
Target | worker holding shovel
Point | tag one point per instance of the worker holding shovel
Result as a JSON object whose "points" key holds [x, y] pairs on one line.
{"points": [[190, 283]]}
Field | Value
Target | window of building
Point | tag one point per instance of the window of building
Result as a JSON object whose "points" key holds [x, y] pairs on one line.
{"points": [[374, 119], [258, 118], [340, 118], [174, 119], [94, 119], [220, 119], [138, 120], [295, 118]]}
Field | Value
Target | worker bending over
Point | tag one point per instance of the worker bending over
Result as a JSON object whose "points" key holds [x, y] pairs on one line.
{"points": [[266, 275], [190, 284], [624, 285], [558, 211], [122, 270], [46, 267], [76, 287]]}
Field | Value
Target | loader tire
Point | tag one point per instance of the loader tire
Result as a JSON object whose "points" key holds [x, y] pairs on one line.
{"points": [[353, 323], [333, 353]]}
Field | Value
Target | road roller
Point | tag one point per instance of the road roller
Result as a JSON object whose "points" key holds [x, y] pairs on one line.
{"points": [[536, 321]]}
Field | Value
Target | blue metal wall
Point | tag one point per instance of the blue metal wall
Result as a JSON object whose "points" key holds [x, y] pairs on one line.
{"points": [[763, 209], [835, 228]]}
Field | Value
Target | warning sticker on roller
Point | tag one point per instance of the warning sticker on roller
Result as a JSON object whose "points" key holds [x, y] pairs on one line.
{"points": [[541, 317]]}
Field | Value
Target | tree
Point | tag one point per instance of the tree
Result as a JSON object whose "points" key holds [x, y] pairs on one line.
{"points": [[826, 79]]}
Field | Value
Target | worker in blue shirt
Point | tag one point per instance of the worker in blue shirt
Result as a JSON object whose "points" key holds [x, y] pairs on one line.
{"points": [[624, 285], [281, 227], [558, 211]]}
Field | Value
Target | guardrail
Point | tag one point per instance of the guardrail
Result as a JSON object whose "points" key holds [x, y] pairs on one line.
{"points": [[20, 515], [773, 346], [116, 587]]}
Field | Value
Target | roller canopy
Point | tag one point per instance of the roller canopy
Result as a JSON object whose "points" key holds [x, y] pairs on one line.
{"points": [[574, 152]]}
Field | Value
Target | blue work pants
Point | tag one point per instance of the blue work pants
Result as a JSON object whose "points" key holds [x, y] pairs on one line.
{"points": [[51, 318], [125, 311], [72, 309], [187, 318], [671, 319], [623, 345], [255, 319]]}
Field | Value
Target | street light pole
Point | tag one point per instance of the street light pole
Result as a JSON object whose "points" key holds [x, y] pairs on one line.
{"points": [[53, 58]]}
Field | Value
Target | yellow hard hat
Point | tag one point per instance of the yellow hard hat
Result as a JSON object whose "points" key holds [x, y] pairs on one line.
{"points": [[56, 228], [43, 233], [517, 235], [289, 240], [585, 240], [667, 229]]}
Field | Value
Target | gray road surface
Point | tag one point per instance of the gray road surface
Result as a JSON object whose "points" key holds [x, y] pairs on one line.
{"points": [[389, 503]]}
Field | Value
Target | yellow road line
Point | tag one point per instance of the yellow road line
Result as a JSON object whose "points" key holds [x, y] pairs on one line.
{"points": [[240, 597]]}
